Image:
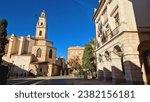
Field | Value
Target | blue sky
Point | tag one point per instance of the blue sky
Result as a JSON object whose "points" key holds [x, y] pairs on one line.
{"points": [[69, 21]]}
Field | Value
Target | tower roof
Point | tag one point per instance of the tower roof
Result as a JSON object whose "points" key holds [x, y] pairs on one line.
{"points": [[43, 13]]}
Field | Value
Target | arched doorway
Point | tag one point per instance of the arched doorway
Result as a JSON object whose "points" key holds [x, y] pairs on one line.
{"points": [[118, 51], [107, 68]]}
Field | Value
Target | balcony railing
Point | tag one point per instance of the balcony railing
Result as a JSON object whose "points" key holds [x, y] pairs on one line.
{"points": [[114, 32], [108, 35]]}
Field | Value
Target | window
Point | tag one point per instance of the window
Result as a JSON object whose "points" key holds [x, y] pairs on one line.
{"points": [[39, 52], [100, 59], [41, 23], [50, 53], [117, 19], [107, 56], [101, 28], [104, 14], [107, 29], [40, 33], [40, 69]]}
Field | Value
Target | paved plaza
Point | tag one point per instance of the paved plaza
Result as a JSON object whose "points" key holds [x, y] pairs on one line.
{"points": [[56, 80]]}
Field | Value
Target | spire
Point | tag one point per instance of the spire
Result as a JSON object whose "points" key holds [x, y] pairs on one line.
{"points": [[43, 13]]}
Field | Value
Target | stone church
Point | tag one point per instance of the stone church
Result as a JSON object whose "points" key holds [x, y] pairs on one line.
{"points": [[27, 55]]}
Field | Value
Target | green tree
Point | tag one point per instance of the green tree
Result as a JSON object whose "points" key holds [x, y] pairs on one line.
{"points": [[94, 43], [3, 39], [3, 42], [89, 56]]}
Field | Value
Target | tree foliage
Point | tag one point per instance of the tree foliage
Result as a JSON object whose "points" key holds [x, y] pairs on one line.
{"points": [[74, 63], [89, 56], [3, 39], [76, 66]]}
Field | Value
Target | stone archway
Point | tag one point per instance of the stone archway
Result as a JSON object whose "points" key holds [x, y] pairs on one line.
{"points": [[118, 71], [118, 51], [107, 68]]}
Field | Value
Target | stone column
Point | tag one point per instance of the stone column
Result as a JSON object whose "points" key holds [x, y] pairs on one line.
{"points": [[21, 46], [107, 71], [133, 69], [117, 71], [50, 66], [100, 74], [10, 47]]}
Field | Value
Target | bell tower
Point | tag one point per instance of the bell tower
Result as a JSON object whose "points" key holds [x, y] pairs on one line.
{"points": [[41, 27]]}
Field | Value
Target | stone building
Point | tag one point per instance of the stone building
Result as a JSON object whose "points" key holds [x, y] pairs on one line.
{"points": [[75, 51], [123, 34], [62, 66], [61, 62], [31, 55]]}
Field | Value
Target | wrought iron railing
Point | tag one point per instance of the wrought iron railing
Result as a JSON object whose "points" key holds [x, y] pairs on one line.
{"points": [[108, 35], [114, 32]]}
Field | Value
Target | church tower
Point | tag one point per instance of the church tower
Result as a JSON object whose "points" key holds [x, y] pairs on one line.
{"points": [[41, 27]]}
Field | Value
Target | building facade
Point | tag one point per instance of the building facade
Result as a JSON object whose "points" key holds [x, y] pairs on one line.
{"points": [[75, 51], [27, 55], [62, 66], [123, 35], [61, 62]]}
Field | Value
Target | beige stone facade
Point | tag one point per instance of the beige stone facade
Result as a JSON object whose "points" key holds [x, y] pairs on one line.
{"points": [[75, 51], [123, 34], [31, 55]]}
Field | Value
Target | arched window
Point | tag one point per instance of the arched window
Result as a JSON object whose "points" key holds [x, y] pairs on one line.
{"points": [[50, 53], [107, 56], [39, 52], [41, 23], [118, 51], [40, 33]]}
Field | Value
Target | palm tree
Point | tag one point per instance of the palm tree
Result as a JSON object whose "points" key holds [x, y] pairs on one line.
{"points": [[94, 43], [89, 56]]}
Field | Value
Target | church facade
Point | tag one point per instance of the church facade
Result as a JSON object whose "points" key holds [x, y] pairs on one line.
{"points": [[28, 55], [123, 35]]}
